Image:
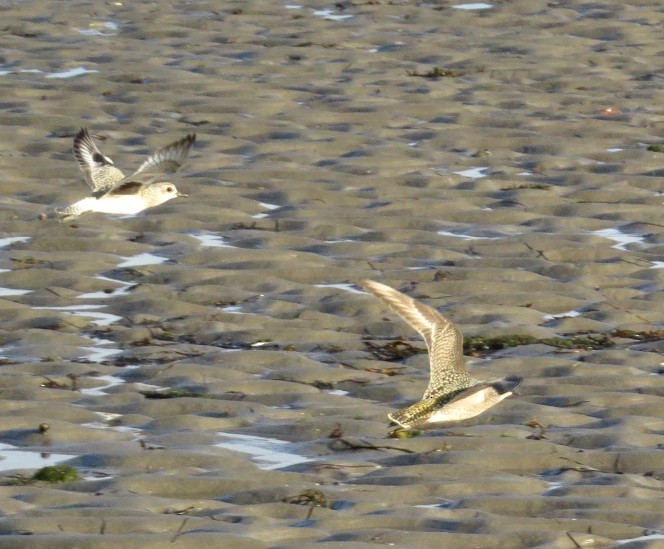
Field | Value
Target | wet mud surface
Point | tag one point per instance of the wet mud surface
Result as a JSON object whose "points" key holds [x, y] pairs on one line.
{"points": [[210, 367]]}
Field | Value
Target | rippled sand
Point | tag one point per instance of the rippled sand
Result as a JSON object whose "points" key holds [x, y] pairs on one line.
{"points": [[493, 163]]}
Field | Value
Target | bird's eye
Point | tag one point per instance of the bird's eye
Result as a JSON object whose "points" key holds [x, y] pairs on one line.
{"points": [[169, 189]]}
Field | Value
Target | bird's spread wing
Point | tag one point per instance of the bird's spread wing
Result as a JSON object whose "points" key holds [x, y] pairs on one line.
{"points": [[99, 171], [444, 340], [170, 158], [413, 415], [448, 367]]}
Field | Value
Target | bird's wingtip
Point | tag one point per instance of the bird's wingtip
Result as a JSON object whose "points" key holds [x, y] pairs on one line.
{"points": [[507, 384], [367, 284]]}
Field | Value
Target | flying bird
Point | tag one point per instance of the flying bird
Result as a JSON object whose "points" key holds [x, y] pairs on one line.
{"points": [[452, 394], [115, 193]]}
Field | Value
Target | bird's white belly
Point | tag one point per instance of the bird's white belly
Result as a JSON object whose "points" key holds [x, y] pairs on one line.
{"points": [[469, 406], [126, 204], [453, 413]]}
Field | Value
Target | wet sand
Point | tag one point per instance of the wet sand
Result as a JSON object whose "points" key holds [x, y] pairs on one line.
{"points": [[493, 163]]}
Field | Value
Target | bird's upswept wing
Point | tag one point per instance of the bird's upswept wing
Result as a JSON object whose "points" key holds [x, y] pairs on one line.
{"points": [[168, 159], [444, 340], [99, 171]]}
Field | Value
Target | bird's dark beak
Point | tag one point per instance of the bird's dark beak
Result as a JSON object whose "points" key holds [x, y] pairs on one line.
{"points": [[183, 195]]}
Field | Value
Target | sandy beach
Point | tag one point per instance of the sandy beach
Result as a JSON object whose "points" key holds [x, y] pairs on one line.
{"points": [[210, 368]]}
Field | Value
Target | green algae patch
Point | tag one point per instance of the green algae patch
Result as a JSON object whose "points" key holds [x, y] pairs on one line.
{"points": [[482, 344], [590, 342], [649, 335], [400, 433], [56, 473]]}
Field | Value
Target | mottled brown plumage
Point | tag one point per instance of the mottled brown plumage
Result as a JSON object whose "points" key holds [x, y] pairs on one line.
{"points": [[452, 395]]}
